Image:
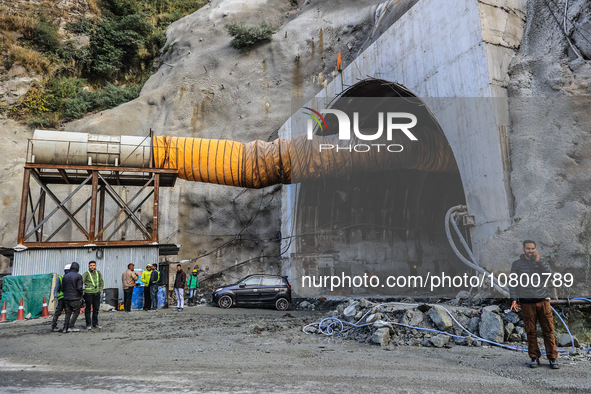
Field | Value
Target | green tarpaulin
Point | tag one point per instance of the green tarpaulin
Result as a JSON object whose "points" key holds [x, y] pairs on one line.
{"points": [[31, 288]]}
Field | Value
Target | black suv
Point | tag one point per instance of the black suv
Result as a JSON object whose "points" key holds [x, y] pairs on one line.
{"points": [[255, 289]]}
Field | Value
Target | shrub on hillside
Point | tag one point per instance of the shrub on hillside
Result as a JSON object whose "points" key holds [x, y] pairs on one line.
{"points": [[46, 38], [245, 37], [115, 44], [83, 26]]}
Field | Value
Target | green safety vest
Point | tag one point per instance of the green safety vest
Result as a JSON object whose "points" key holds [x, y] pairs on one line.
{"points": [[193, 282], [97, 275], [60, 294], [157, 280]]}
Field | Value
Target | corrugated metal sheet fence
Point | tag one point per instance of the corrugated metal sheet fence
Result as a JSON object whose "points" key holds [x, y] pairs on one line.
{"points": [[110, 261]]}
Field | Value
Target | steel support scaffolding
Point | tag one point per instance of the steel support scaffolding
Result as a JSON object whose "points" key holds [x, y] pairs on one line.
{"points": [[92, 192]]}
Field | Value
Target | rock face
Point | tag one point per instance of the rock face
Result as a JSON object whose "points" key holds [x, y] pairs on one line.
{"points": [[550, 179], [12, 160]]}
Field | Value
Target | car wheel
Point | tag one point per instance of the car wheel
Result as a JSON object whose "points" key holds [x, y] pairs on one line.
{"points": [[282, 304], [225, 302]]}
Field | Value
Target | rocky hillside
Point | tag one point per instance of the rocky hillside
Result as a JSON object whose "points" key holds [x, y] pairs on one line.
{"points": [[206, 88]]}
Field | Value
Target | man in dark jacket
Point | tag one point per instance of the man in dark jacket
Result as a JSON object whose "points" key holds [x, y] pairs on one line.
{"points": [[72, 289], [179, 287], [534, 302], [154, 282]]}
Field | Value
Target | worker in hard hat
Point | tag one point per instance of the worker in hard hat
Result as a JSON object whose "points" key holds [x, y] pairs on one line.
{"points": [[145, 278], [58, 296], [192, 285]]}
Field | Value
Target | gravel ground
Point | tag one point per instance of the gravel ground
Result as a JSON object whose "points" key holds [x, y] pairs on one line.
{"points": [[207, 349]]}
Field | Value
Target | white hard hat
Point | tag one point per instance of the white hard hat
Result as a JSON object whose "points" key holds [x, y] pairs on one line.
{"points": [[67, 266]]}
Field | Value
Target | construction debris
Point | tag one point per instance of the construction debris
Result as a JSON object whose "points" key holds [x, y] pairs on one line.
{"points": [[430, 325]]}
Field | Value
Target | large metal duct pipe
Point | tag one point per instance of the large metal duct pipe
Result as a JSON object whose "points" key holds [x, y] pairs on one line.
{"points": [[64, 147]]}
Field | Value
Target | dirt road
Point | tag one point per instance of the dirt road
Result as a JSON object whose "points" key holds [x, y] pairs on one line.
{"points": [[206, 349]]}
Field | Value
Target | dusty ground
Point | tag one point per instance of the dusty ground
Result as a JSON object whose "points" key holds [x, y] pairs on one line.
{"points": [[206, 349]]}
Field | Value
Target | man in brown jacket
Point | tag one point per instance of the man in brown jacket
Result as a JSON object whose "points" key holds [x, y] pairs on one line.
{"points": [[179, 287], [128, 280]]}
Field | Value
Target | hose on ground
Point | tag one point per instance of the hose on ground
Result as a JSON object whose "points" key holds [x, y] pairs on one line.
{"points": [[333, 326]]}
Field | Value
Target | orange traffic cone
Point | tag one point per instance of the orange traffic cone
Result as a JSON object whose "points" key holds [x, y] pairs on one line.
{"points": [[3, 313], [44, 310], [21, 311]]}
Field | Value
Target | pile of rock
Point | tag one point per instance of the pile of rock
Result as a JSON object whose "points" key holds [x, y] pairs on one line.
{"points": [[389, 324]]}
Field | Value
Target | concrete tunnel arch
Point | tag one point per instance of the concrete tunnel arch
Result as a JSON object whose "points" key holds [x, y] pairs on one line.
{"points": [[384, 222]]}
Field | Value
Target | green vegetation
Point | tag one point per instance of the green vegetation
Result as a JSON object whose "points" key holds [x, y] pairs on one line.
{"points": [[246, 37], [123, 39]]}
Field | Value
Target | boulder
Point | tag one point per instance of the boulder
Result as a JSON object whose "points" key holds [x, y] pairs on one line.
{"points": [[492, 308], [439, 340], [509, 327], [473, 325], [350, 311], [563, 340], [381, 336], [440, 318], [512, 317], [412, 318], [491, 326], [514, 337]]}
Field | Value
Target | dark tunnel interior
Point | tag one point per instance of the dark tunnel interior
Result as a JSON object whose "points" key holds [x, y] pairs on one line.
{"points": [[378, 223]]}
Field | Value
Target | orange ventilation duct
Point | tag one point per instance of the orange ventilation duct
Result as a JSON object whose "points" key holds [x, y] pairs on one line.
{"points": [[260, 164]]}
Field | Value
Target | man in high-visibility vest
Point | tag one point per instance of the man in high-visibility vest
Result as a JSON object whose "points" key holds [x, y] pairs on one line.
{"points": [[93, 288], [145, 278], [58, 296], [192, 285]]}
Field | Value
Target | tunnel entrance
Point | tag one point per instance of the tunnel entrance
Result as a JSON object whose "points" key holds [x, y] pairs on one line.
{"points": [[379, 223]]}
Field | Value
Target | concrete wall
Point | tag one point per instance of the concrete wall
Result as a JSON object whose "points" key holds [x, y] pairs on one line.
{"points": [[454, 55]]}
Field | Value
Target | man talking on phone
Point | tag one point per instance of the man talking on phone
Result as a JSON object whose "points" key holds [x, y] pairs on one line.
{"points": [[534, 303]]}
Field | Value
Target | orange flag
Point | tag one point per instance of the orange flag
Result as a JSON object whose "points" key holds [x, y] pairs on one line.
{"points": [[339, 62]]}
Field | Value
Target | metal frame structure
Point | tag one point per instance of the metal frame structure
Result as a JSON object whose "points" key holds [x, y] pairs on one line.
{"points": [[101, 180]]}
